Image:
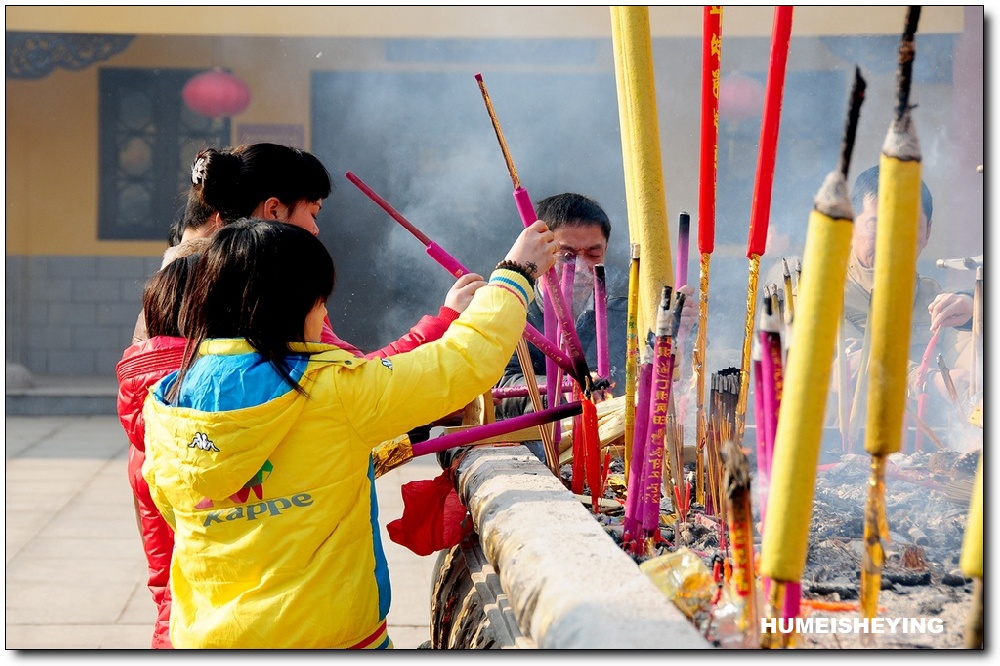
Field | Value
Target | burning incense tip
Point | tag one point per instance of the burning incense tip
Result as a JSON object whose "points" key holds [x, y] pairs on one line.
{"points": [[479, 76]]}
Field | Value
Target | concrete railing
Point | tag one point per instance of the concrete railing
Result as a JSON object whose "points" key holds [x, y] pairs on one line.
{"points": [[569, 585]]}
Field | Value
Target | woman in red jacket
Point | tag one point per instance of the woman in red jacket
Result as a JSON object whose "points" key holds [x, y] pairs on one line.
{"points": [[142, 365]]}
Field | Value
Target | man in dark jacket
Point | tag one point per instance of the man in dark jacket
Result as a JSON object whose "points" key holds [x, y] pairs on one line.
{"points": [[582, 230]]}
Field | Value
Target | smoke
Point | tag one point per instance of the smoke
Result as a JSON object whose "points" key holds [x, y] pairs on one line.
{"points": [[418, 132]]}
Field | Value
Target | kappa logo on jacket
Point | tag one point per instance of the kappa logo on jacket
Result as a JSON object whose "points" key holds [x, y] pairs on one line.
{"points": [[201, 441]]}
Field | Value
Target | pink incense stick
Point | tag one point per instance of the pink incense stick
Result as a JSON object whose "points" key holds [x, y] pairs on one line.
{"points": [[632, 498], [450, 263], [772, 378], [659, 397], [568, 277], [496, 429], [601, 320], [758, 412], [455, 267], [520, 391], [552, 292]]}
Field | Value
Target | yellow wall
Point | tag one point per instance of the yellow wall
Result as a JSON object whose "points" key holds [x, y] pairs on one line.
{"points": [[52, 124]]}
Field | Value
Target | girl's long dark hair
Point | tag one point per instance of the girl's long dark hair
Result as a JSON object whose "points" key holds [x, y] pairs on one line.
{"points": [[257, 280], [162, 296]]}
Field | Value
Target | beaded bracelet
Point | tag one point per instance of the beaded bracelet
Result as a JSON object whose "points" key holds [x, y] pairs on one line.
{"points": [[526, 270]]}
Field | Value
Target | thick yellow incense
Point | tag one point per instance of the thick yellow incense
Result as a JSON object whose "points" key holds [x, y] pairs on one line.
{"points": [[632, 355], [698, 369], [748, 324], [895, 264], [647, 214], [624, 123], [892, 302], [806, 383]]}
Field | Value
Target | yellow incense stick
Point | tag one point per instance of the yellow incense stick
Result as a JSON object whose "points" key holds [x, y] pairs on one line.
{"points": [[807, 382], [647, 212], [895, 264], [632, 355]]}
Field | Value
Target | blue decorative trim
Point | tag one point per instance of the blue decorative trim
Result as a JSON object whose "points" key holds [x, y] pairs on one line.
{"points": [[33, 55]]}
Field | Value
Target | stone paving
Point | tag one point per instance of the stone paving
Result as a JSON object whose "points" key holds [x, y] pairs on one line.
{"points": [[74, 568]]}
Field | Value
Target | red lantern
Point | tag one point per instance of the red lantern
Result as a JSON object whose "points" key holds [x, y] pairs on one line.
{"points": [[216, 93], [740, 98]]}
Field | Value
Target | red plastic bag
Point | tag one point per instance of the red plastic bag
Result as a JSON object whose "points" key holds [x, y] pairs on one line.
{"points": [[434, 517]]}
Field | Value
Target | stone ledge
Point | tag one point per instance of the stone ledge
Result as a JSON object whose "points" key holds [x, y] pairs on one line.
{"points": [[569, 585]]}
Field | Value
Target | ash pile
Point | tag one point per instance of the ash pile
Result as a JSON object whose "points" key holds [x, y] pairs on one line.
{"points": [[927, 504]]}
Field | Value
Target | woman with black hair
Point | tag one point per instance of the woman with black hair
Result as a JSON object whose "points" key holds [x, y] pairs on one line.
{"points": [[259, 447]]}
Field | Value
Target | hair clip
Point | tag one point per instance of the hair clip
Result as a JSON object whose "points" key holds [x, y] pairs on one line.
{"points": [[198, 170]]}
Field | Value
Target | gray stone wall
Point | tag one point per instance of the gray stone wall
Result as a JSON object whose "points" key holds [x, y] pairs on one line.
{"points": [[72, 315]]}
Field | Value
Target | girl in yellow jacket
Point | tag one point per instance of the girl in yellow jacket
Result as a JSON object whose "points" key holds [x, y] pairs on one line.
{"points": [[259, 447]]}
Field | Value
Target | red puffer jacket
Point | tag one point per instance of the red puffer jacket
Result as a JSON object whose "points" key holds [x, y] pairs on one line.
{"points": [[142, 365], [428, 329]]}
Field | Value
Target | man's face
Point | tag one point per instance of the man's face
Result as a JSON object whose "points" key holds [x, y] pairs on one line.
{"points": [[865, 224], [588, 245]]}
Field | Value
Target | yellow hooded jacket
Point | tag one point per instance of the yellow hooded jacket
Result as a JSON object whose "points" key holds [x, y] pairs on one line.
{"points": [[272, 493]]}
